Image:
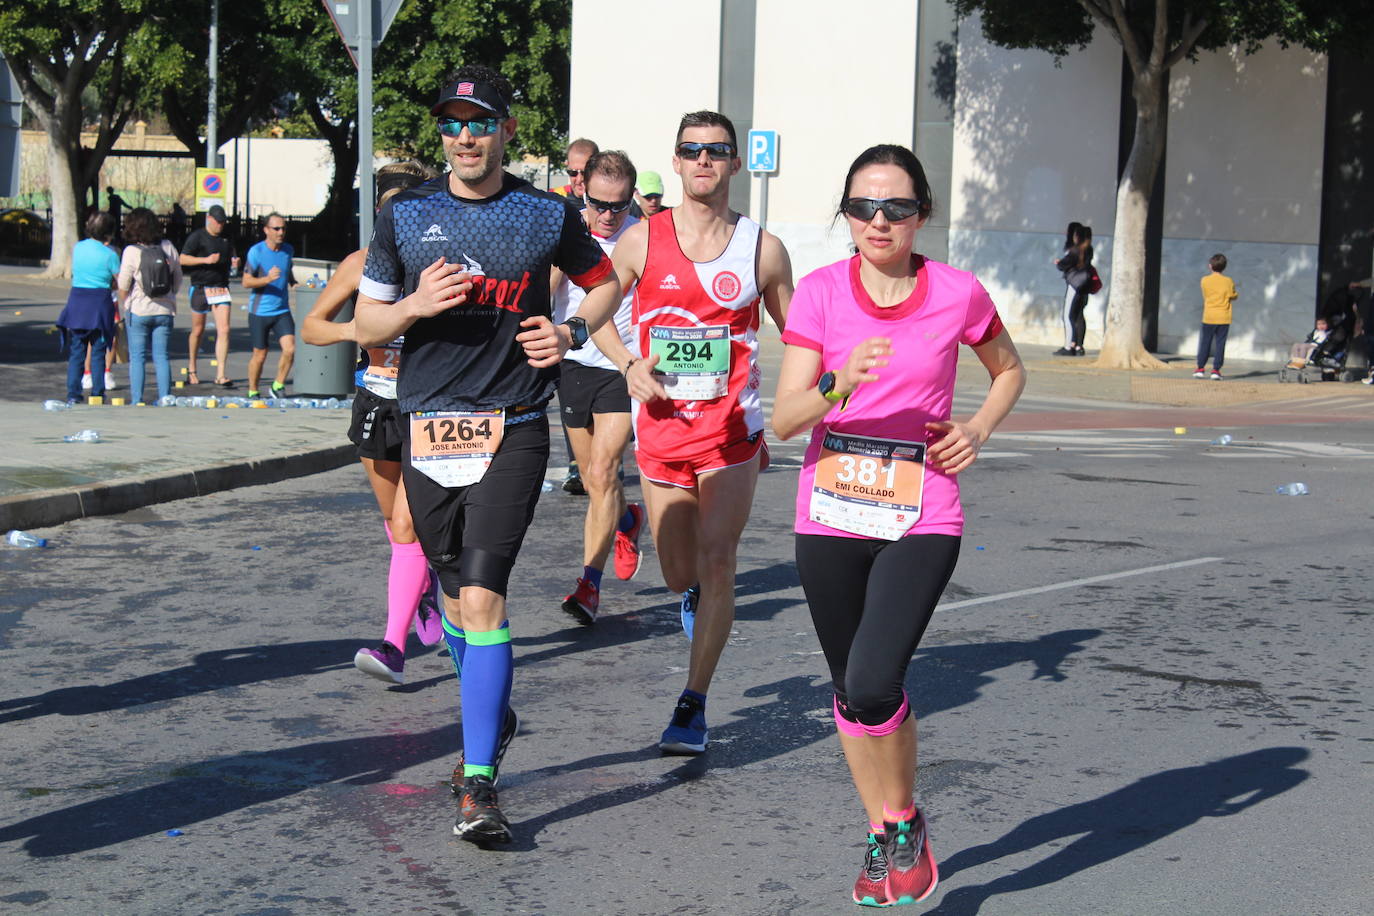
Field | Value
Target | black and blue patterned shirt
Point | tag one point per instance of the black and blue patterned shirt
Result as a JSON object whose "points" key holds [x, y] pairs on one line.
{"points": [[467, 358]]}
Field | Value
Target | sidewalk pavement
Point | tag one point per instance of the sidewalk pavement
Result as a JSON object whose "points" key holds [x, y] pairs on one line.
{"points": [[151, 455]]}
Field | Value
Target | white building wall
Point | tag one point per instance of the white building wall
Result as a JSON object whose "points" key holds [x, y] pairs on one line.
{"points": [[1244, 178], [629, 95], [1034, 149], [289, 176]]}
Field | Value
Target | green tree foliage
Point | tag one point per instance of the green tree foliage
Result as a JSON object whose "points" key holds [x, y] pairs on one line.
{"points": [[58, 49], [1155, 36]]}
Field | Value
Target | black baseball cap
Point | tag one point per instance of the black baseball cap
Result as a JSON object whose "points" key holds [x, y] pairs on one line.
{"points": [[217, 212], [478, 92]]}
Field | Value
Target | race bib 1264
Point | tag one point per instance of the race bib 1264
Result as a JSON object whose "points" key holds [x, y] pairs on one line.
{"points": [[868, 486], [694, 362], [454, 448]]}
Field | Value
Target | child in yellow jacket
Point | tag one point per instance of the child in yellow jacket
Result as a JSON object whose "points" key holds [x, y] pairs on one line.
{"points": [[1218, 292]]}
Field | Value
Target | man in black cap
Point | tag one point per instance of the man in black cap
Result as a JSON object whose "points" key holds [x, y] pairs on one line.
{"points": [[461, 267], [208, 255]]}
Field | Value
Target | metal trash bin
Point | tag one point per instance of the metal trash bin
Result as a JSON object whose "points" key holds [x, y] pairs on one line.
{"points": [[321, 371]]}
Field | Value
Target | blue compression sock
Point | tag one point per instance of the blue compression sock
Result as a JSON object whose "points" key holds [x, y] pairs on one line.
{"points": [[592, 574], [627, 521], [699, 697], [457, 641], [488, 665]]}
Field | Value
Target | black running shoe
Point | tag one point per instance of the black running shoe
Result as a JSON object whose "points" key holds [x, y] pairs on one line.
{"points": [[508, 730], [479, 817]]}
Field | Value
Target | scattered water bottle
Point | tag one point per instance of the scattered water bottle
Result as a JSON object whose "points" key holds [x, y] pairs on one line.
{"points": [[332, 403], [56, 405], [547, 487], [86, 435], [1223, 440], [19, 538], [1292, 489], [315, 282], [183, 402], [167, 400], [300, 402], [347, 404]]}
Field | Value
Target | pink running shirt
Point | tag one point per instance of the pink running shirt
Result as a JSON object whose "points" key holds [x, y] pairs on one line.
{"points": [[832, 314]]}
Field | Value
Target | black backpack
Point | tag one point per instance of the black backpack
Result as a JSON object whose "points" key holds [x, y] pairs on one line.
{"points": [[154, 271]]}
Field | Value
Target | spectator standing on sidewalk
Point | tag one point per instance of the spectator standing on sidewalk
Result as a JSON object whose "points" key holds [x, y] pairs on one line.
{"points": [[87, 323], [268, 275], [149, 278], [1077, 265], [209, 254], [1218, 292]]}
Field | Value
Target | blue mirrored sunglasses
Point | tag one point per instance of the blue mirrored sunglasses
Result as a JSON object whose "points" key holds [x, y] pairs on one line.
{"points": [[478, 127]]}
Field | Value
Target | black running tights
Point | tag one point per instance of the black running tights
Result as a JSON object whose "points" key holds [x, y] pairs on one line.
{"points": [[870, 602]]}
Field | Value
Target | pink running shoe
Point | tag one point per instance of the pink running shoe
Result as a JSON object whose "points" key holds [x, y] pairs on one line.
{"points": [[429, 615], [627, 545], [871, 887], [911, 870]]}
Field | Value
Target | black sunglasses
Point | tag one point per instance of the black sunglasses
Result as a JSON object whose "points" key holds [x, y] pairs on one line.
{"points": [[478, 127], [717, 151], [573, 173], [619, 206], [895, 209]]}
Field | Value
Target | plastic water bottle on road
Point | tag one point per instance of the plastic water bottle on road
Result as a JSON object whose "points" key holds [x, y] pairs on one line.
{"points": [[1223, 440], [1292, 489], [86, 435], [19, 538], [56, 405]]}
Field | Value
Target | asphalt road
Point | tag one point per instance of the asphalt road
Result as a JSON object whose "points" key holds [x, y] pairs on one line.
{"points": [[1147, 691]]}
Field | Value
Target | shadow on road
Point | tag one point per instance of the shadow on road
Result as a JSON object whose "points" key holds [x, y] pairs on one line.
{"points": [[1124, 821], [209, 671], [206, 790]]}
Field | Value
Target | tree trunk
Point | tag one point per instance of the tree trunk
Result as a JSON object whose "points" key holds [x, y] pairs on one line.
{"points": [[66, 193], [1123, 347]]}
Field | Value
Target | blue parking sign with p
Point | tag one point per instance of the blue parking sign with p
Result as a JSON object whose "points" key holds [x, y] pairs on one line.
{"points": [[763, 150]]}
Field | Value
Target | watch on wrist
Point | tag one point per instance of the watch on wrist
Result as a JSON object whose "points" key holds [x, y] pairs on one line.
{"points": [[826, 386], [578, 328]]}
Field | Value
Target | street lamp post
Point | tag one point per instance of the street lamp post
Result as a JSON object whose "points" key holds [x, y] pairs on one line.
{"points": [[212, 115]]}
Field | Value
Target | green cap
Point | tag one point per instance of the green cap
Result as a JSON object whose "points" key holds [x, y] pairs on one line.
{"points": [[650, 183]]}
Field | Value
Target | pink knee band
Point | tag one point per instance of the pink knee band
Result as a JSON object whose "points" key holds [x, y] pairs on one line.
{"points": [[891, 725], [852, 729]]}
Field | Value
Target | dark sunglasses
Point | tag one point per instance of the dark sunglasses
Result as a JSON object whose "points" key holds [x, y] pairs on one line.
{"points": [[895, 209], [478, 127], [573, 173], [717, 151], [619, 206]]}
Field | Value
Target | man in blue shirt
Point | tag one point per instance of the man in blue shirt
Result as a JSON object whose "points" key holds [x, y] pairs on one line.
{"points": [[268, 275]]}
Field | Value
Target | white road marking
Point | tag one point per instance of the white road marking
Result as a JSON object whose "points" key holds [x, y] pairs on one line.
{"points": [[1075, 583]]}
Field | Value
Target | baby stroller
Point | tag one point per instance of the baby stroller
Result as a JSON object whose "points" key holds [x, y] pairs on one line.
{"points": [[1329, 360]]}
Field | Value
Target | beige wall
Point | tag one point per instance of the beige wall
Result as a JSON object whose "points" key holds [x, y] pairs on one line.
{"points": [[637, 67], [1245, 146], [289, 176], [1034, 145]]}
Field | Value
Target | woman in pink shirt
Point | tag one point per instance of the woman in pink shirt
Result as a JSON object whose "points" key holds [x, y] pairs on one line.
{"points": [[871, 351]]}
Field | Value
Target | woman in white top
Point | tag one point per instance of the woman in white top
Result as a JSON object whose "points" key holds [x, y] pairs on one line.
{"points": [[148, 312]]}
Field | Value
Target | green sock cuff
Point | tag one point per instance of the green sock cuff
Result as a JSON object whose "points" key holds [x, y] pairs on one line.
{"points": [[450, 629], [472, 770], [489, 638]]}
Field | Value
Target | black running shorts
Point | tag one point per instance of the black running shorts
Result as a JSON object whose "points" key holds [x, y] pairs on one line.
{"points": [[376, 426], [260, 326], [586, 390], [472, 535]]}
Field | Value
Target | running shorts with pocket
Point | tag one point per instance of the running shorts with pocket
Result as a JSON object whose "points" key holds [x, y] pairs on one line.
{"points": [[471, 535], [684, 473], [587, 390], [377, 426], [260, 326]]}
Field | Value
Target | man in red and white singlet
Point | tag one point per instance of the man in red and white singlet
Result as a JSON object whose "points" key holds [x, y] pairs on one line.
{"points": [[700, 272]]}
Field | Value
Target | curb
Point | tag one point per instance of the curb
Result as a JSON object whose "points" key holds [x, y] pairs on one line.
{"points": [[46, 508]]}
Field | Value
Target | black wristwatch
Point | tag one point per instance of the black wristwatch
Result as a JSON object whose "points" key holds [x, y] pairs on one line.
{"points": [[578, 327], [826, 386]]}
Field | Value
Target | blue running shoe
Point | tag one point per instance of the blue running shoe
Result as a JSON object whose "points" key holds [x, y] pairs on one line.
{"points": [[689, 610], [686, 733]]}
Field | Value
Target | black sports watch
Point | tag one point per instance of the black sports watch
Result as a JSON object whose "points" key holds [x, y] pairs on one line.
{"points": [[826, 386], [578, 327]]}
